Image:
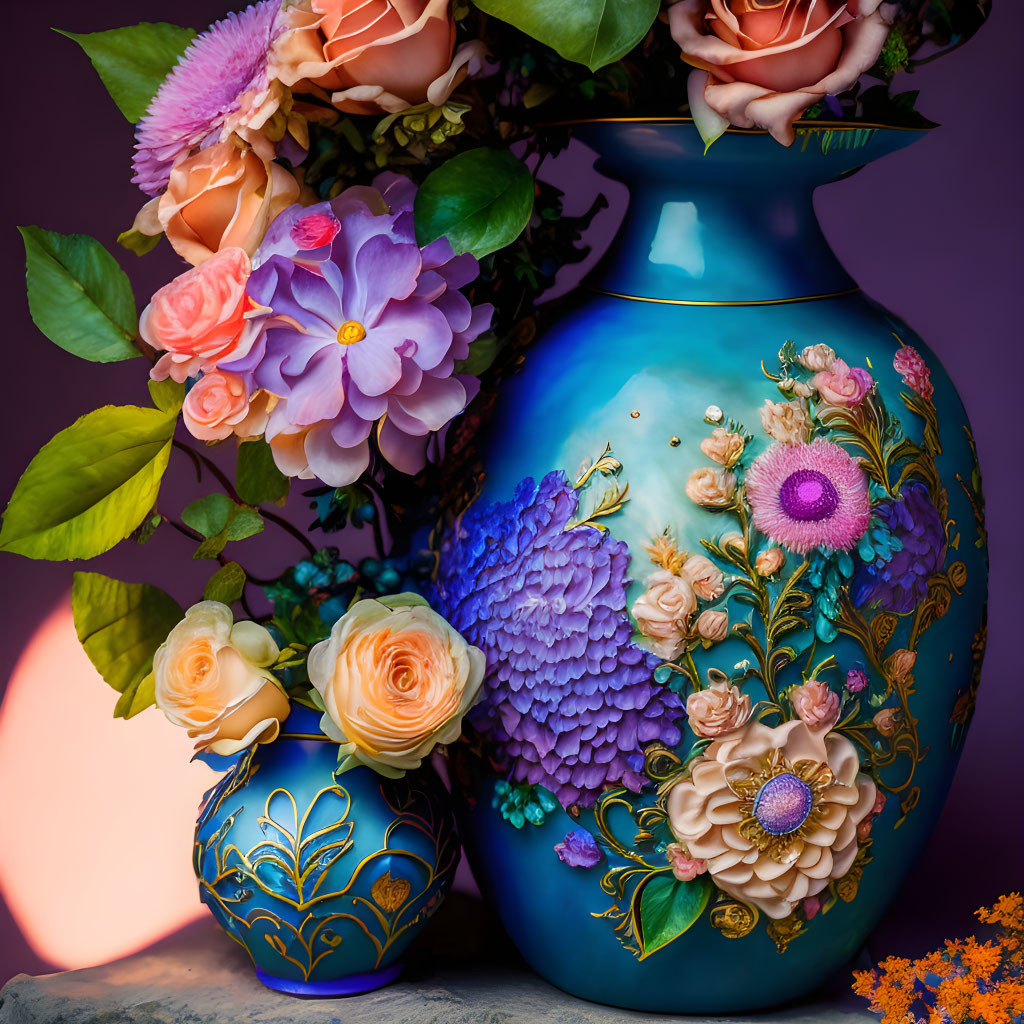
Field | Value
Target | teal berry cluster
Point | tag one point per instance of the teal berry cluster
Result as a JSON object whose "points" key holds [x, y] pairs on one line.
{"points": [[521, 803]]}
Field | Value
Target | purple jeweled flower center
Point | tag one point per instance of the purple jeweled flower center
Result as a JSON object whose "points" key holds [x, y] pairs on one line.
{"points": [[808, 496], [782, 804]]}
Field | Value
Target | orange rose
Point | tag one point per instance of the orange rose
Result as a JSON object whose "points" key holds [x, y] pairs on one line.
{"points": [[764, 64], [210, 677], [375, 56], [395, 682], [223, 196]]}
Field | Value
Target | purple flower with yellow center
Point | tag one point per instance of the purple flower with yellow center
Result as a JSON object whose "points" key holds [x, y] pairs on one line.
{"points": [[568, 699], [807, 496], [220, 85], [362, 334]]}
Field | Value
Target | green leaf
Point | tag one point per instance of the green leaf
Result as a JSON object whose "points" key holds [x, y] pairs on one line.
{"points": [[91, 486], [168, 396], [591, 32], [226, 585], [664, 908], [137, 242], [403, 601], [258, 479], [482, 354], [246, 522], [220, 520], [133, 61], [480, 200], [78, 296], [121, 625]]}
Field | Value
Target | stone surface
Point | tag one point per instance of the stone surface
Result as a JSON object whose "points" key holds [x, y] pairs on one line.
{"points": [[199, 976]]}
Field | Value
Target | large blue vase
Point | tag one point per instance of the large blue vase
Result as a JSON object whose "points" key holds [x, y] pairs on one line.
{"points": [[852, 558], [323, 880]]}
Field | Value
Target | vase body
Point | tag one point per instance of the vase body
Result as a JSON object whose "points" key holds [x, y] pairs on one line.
{"points": [[719, 280], [325, 881]]}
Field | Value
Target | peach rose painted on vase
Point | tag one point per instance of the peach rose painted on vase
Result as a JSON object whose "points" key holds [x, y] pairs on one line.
{"points": [[786, 422], [663, 612], [770, 561], [395, 682], [723, 447], [198, 320], [773, 812], [378, 56], [712, 626], [816, 704], [817, 358], [714, 487], [683, 867], [706, 578], [718, 709], [211, 676], [222, 197], [763, 65]]}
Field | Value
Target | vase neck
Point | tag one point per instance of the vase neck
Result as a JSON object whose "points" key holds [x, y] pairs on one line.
{"points": [[736, 225]]}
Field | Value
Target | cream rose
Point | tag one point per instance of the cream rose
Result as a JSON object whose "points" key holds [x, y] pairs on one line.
{"points": [[714, 487], [395, 682], [763, 64], [663, 612], [706, 578], [713, 625], [723, 447], [717, 710], [817, 358], [786, 422], [211, 677]]}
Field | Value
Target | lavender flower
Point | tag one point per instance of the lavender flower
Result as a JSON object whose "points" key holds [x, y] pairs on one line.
{"points": [[568, 698], [579, 849]]}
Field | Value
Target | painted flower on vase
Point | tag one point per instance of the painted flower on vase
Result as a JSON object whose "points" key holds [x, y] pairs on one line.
{"points": [[396, 681], [663, 613], [764, 65], [769, 562], [786, 422], [211, 677], [899, 582], [362, 336], [857, 678], [684, 867], [718, 709], [712, 487], [773, 812], [378, 56], [723, 447], [220, 85], [712, 625], [816, 704], [842, 385], [579, 849], [569, 700], [706, 578], [910, 365], [817, 358], [808, 496]]}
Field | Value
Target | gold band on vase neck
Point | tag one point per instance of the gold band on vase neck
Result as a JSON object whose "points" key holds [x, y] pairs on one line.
{"points": [[735, 302]]}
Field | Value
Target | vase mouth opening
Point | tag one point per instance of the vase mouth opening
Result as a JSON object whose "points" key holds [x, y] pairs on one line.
{"points": [[801, 125]]}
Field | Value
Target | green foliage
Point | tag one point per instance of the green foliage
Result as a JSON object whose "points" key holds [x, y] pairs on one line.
{"points": [[121, 625], [258, 479], [133, 61], [590, 32], [78, 296], [168, 395], [91, 486], [408, 600], [480, 200], [894, 56], [137, 242], [664, 908], [220, 520], [226, 584], [482, 354]]}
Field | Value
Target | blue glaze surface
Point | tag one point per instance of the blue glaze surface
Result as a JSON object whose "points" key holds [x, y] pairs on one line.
{"points": [[736, 225], [324, 881]]}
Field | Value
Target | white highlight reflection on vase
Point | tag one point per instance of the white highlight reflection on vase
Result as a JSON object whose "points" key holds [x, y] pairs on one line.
{"points": [[677, 242]]}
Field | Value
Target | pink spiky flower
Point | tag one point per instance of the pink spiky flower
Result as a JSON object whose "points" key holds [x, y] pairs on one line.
{"points": [[220, 85], [809, 495]]}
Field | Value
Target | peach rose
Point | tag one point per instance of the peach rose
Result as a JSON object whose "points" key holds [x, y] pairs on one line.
{"points": [[843, 385], [900, 664], [723, 447], [378, 56], [769, 561], [713, 487], [395, 681], [888, 721], [663, 612], [816, 705], [713, 625], [211, 678], [706, 577], [717, 710], [683, 867], [215, 406], [817, 358], [223, 196], [786, 422], [198, 319], [764, 64]]}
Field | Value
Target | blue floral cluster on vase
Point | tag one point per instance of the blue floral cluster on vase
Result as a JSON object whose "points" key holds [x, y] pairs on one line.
{"points": [[568, 699], [898, 580]]}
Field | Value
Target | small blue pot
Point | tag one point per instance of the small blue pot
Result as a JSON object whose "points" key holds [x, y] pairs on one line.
{"points": [[324, 880]]}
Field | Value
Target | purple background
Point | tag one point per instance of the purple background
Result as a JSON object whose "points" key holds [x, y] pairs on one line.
{"points": [[933, 232]]}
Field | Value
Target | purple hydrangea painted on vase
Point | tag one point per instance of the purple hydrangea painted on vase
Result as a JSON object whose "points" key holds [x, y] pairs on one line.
{"points": [[901, 583], [579, 849], [220, 85], [362, 333], [568, 697]]}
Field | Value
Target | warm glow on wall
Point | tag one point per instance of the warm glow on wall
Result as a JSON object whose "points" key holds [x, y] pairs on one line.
{"points": [[98, 813]]}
